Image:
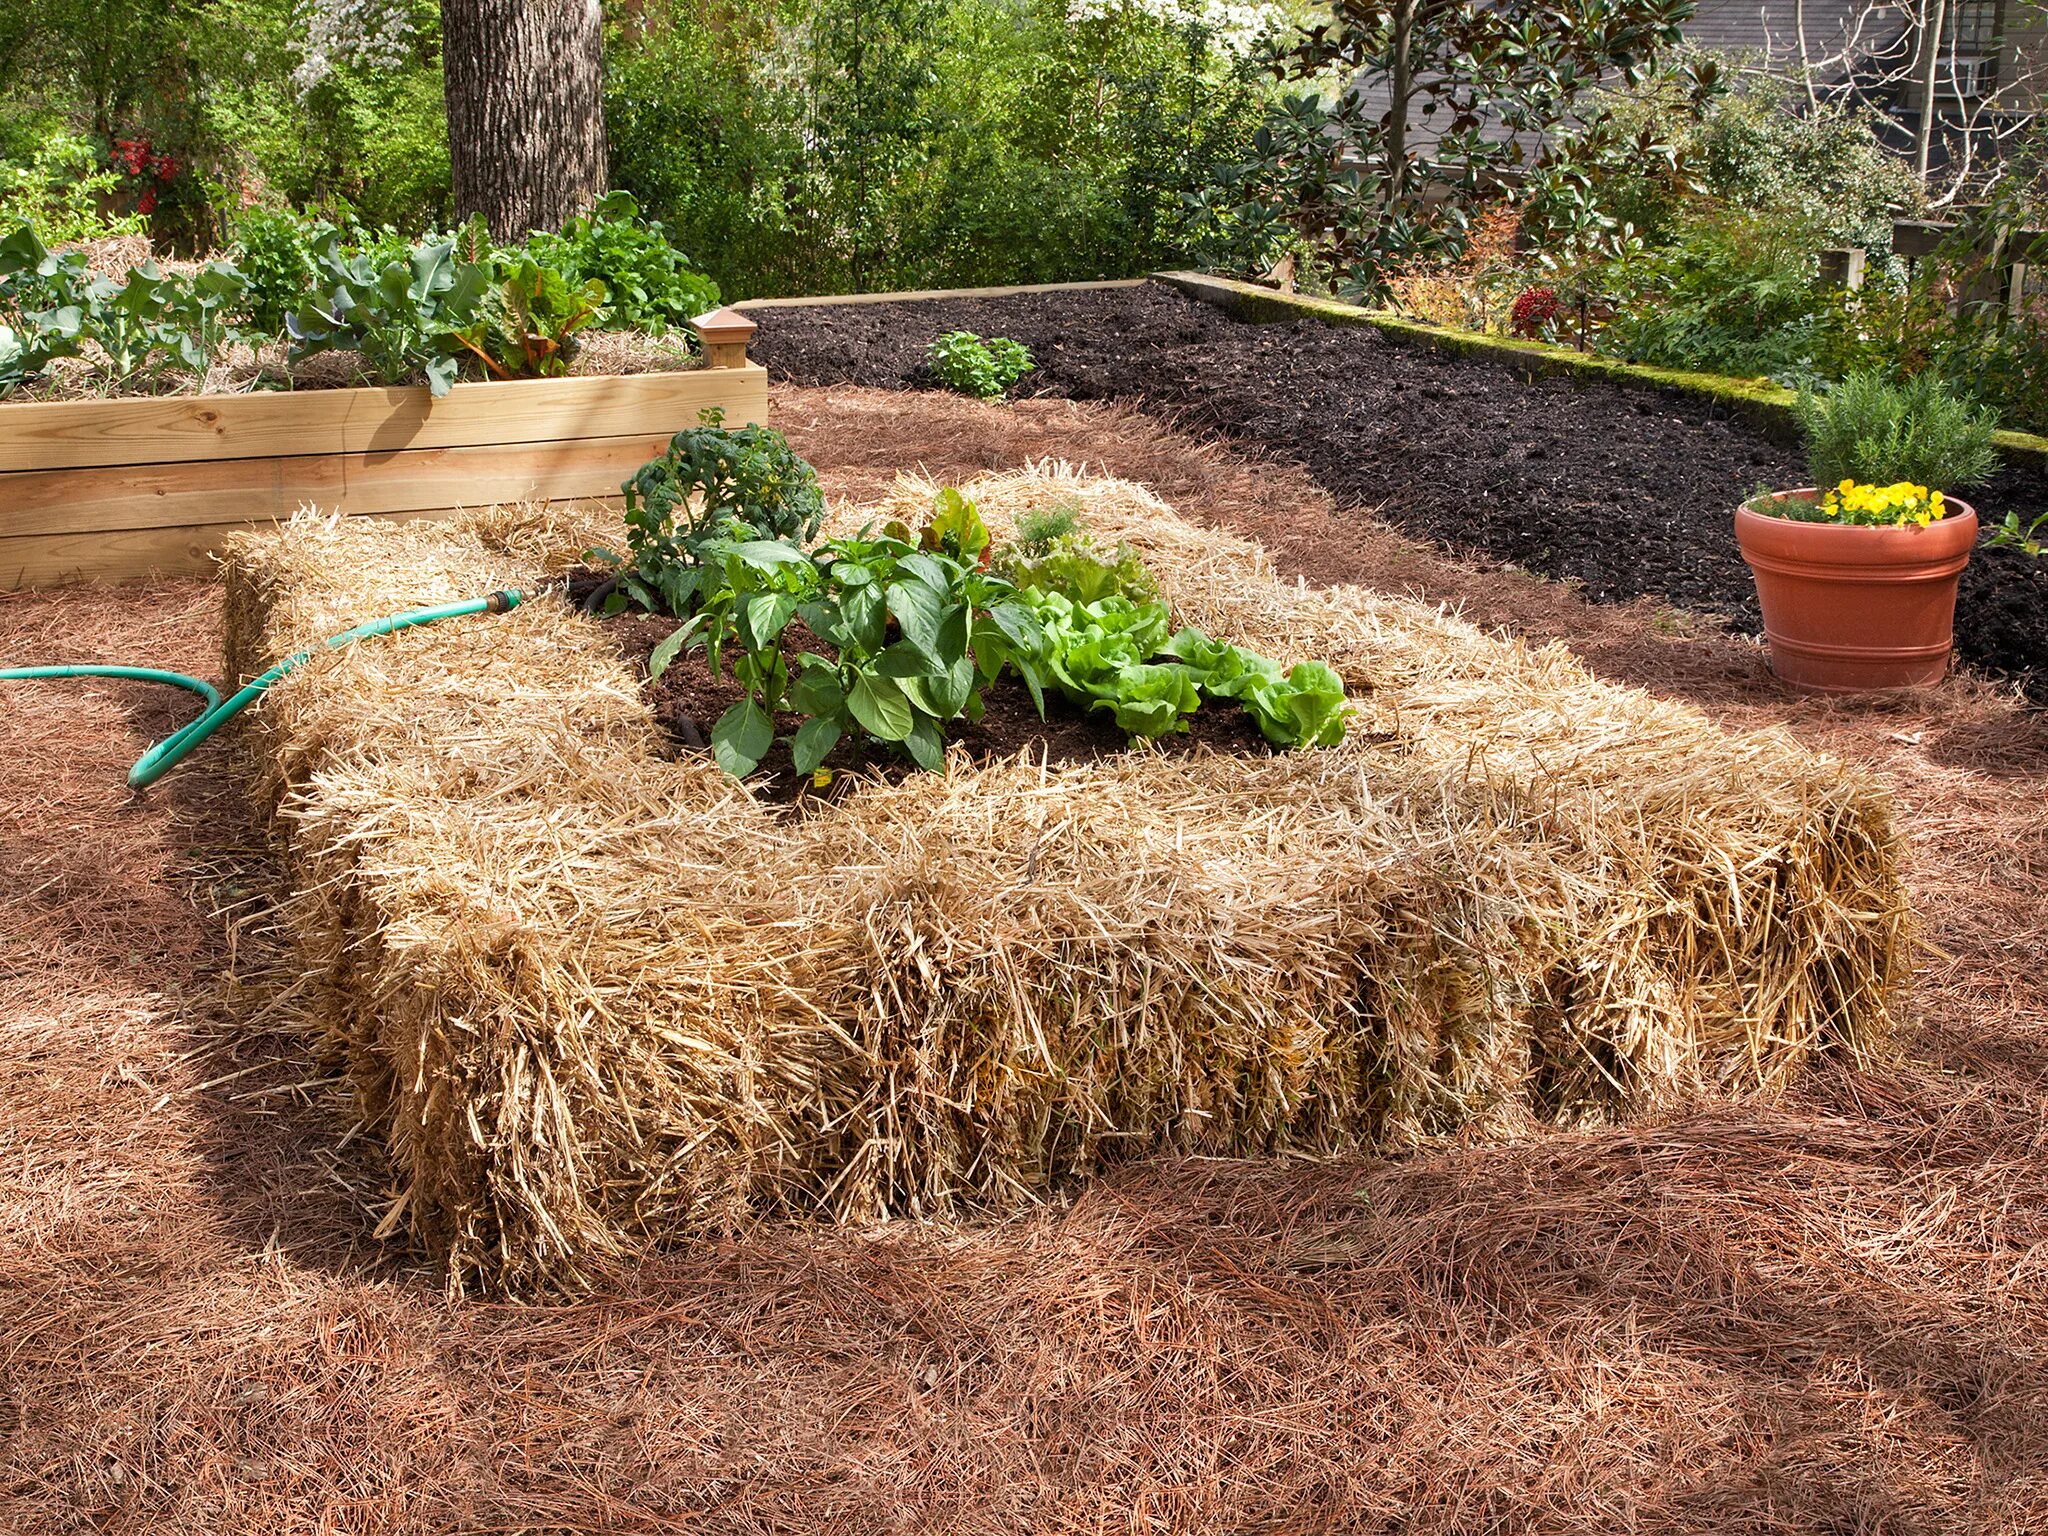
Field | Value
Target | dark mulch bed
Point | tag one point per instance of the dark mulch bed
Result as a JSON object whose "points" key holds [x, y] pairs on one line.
{"points": [[688, 700], [1629, 492]]}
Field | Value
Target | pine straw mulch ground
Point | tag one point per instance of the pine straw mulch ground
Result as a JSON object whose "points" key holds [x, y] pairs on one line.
{"points": [[1823, 1314]]}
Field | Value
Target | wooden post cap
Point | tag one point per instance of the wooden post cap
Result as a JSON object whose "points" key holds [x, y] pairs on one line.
{"points": [[724, 333], [722, 325]]}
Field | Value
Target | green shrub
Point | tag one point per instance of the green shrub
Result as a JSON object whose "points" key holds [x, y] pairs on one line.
{"points": [[1734, 294], [61, 190], [828, 145], [985, 369], [1874, 431], [1765, 148]]}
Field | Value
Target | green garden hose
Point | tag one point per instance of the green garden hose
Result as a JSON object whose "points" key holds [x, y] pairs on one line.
{"points": [[169, 752]]}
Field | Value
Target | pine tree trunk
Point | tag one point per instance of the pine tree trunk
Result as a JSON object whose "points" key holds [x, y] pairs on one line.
{"points": [[525, 94]]}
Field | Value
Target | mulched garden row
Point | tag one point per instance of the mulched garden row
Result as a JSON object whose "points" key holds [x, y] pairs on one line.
{"points": [[1628, 492]]}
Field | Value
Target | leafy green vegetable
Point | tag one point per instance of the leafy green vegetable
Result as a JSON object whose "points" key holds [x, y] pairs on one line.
{"points": [[403, 316], [962, 360], [1303, 706], [1068, 563], [917, 626], [151, 321], [649, 284], [1097, 654], [529, 320]]}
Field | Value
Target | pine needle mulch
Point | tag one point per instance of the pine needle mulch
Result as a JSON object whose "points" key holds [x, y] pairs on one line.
{"points": [[1819, 1310]]}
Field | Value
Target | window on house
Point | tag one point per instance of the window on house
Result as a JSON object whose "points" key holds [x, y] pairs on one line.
{"points": [[1970, 35], [1971, 28]]}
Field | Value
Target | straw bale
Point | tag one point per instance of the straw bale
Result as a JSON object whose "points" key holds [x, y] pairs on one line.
{"points": [[595, 999]]}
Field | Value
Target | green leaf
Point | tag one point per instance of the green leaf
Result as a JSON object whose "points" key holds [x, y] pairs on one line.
{"points": [[881, 707], [742, 738], [1034, 681], [902, 660], [1020, 626], [817, 690], [947, 692], [764, 554], [863, 619], [927, 746], [924, 568], [763, 617], [919, 610], [814, 739], [665, 652]]}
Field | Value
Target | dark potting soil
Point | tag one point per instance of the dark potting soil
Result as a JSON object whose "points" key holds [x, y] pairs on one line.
{"points": [[1629, 492], [687, 701]]}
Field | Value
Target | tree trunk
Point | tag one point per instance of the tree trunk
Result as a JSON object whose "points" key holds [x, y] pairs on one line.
{"points": [[1931, 17], [1402, 88], [523, 79]]}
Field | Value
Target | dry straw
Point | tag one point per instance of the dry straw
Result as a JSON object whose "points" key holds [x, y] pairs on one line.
{"points": [[595, 999]]}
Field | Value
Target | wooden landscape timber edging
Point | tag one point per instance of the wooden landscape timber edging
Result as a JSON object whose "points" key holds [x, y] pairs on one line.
{"points": [[109, 490], [1767, 407]]}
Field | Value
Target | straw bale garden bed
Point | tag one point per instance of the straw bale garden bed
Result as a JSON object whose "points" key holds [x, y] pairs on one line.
{"points": [[598, 996]]}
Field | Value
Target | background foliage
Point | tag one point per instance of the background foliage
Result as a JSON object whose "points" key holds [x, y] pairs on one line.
{"points": [[801, 146]]}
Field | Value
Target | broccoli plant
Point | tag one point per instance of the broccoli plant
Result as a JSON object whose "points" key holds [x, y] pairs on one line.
{"points": [[403, 316]]}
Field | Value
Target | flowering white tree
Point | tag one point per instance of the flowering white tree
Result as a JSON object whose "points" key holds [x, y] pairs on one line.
{"points": [[360, 34]]}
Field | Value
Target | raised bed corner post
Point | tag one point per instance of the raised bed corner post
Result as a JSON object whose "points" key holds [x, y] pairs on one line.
{"points": [[724, 333]]}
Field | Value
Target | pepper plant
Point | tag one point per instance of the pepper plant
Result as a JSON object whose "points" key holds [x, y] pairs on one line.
{"points": [[915, 635]]}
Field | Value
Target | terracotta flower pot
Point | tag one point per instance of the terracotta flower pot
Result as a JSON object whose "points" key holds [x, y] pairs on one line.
{"points": [[1849, 609]]}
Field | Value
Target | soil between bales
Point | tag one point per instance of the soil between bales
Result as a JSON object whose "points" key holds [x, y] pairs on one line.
{"points": [[687, 701], [1629, 492]]}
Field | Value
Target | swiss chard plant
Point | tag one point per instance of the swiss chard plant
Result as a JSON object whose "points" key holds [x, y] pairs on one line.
{"points": [[527, 324]]}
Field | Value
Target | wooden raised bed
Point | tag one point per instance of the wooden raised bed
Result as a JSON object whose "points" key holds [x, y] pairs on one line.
{"points": [[111, 489]]}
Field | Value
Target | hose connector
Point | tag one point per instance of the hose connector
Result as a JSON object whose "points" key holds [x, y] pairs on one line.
{"points": [[504, 600]]}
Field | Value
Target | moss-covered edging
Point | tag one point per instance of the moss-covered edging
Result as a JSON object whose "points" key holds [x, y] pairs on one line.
{"points": [[1765, 406]]}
